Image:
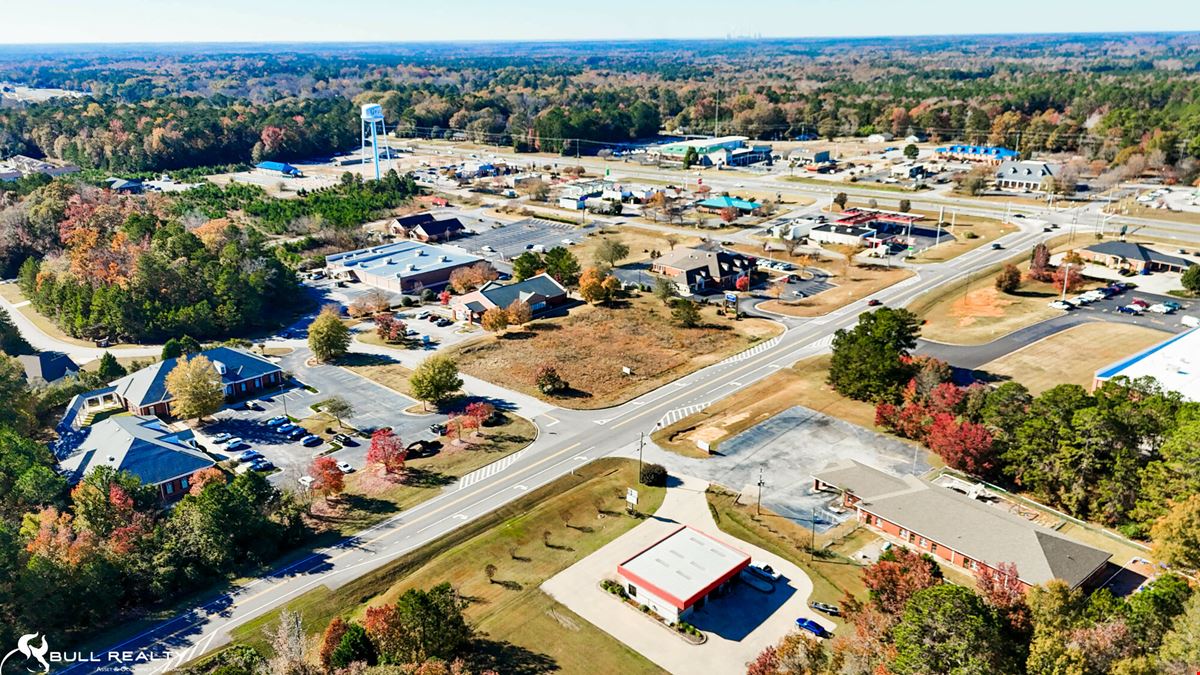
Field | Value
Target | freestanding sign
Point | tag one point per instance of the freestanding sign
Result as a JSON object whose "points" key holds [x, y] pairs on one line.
{"points": [[631, 497]]}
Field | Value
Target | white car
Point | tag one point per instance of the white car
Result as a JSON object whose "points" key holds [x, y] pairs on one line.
{"points": [[345, 467], [1082, 300], [1093, 296], [1159, 309], [1059, 304], [307, 481]]}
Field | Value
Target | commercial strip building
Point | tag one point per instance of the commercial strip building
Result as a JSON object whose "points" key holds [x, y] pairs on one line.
{"points": [[867, 227], [843, 235], [1134, 257], [400, 267], [985, 154], [1174, 363], [680, 572], [540, 292], [719, 151], [722, 202], [281, 168], [144, 447], [696, 270], [1027, 176], [959, 529]]}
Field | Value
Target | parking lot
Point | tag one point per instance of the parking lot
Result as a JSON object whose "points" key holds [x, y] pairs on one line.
{"points": [[511, 240]]}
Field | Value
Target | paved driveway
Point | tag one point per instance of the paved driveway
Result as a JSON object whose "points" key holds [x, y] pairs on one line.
{"points": [[738, 625], [784, 451], [513, 239]]}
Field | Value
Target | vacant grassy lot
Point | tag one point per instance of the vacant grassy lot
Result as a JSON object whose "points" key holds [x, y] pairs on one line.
{"points": [[382, 370], [802, 384], [521, 630], [591, 345], [851, 285], [1074, 355], [984, 230], [639, 240], [371, 496], [12, 293]]}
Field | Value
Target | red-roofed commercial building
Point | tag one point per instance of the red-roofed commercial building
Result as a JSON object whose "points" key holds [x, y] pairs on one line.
{"points": [[679, 572]]}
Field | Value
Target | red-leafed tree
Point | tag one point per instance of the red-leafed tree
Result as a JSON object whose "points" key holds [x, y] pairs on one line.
{"points": [[330, 641], [205, 477], [897, 576], [1003, 590], [482, 411], [947, 398], [743, 283], [729, 214], [766, 663], [460, 425], [328, 479], [965, 446], [389, 328], [387, 450], [444, 296], [1069, 273]]}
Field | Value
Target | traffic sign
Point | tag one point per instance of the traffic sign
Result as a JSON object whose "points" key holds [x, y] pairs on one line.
{"points": [[631, 496]]}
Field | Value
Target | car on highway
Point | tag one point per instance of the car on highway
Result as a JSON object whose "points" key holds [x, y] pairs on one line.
{"points": [[1059, 304], [873, 303], [831, 610], [345, 467], [310, 441], [997, 246], [276, 421], [812, 626]]}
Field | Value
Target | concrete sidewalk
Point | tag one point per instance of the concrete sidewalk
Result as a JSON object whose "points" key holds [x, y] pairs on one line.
{"points": [[738, 625]]}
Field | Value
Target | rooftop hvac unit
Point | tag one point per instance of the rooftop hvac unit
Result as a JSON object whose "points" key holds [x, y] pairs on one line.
{"points": [[444, 258], [410, 268], [420, 252]]}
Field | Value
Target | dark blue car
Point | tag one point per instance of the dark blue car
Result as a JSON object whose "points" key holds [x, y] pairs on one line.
{"points": [[812, 627]]}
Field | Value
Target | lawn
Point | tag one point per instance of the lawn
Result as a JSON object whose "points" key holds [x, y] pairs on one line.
{"points": [[590, 346], [833, 573], [371, 496], [639, 240], [379, 369], [985, 230], [12, 293], [44, 324], [521, 629], [802, 384], [1074, 355], [844, 184], [850, 285]]}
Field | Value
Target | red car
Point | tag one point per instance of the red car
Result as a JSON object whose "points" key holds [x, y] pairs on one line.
{"points": [[873, 303]]}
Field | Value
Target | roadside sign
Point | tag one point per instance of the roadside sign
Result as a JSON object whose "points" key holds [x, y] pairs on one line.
{"points": [[731, 297], [631, 496]]}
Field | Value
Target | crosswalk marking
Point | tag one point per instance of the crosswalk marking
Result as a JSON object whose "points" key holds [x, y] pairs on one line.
{"points": [[489, 470], [756, 349]]}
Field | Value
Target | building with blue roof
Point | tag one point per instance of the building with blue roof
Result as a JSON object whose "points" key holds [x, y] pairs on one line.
{"points": [[282, 168], [986, 154], [1174, 363], [726, 202], [400, 267], [143, 446]]}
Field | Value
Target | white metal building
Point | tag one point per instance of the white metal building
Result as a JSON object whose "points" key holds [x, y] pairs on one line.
{"points": [[1174, 362], [680, 571]]}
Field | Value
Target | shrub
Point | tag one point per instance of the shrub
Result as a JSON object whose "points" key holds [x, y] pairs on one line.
{"points": [[645, 609], [428, 295], [654, 475]]}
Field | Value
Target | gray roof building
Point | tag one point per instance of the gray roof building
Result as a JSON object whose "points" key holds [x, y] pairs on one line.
{"points": [[1024, 175], [143, 446], [1139, 253], [973, 530], [149, 385], [47, 366]]}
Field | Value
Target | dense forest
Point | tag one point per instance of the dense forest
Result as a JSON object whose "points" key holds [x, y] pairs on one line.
{"points": [[1106, 97]]}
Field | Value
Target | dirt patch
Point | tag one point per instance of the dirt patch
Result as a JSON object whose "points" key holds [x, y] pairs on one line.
{"points": [[981, 303], [590, 347]]}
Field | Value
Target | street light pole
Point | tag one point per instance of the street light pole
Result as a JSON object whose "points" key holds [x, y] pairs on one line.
{"points": [[758, 506], [641, 443]]}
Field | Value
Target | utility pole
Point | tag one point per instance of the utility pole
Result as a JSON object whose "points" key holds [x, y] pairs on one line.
{"points": [[812, 542], [641, 443], [758, 506], [717, 116]]}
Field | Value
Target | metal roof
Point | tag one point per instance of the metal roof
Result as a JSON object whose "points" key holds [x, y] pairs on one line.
{"points": [[1174, 362], [684, 566], [401, 258]]}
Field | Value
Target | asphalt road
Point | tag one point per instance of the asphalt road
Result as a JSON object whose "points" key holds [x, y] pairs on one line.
{"points": [[568, 438]]}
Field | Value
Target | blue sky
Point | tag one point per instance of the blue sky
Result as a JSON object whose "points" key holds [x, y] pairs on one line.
{"points": [[27, 21]]}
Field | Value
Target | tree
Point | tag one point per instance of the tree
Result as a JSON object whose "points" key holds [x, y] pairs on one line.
{"points": [[494, 320], [729, 214], [654, 475], [1067, 275], [465, 279], [353, 647], [109, 368], [690, 157], [328, 336], [911, 151], [435, 380], [549, 382], [610, 251], [664, 289], [964, 445], [444, 297], [389, 328], [897, 576], [685, 313], [205, 477], [527, 265], [1003, 590], [562, 266], [328, 479], [195, 388], [519, 312], [840, 200], [1191, 279], [176, 347], [422, 625], [1039, 263], [330, 640], [1176, 535], [1009, 279], [387, 450], [867, 362], [339, 407], [742, 283], [905, 206], [947, 629], [288, 645], [1181, 645], [596, 287], [481, 411]]}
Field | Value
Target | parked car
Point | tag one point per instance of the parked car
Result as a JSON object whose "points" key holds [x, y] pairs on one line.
{"points": [[261, 465], [344, 439], [1173, 305], [763, 571], [812, 626], [286, 428], [1059, 304], [235, 444], [248, 455], [1129, 309], [1082, 300], [418, 449], [310, 441], [442, 323], [298, 432], [437, 429], [220, 438], [1139, 302], [831, 610], [345, 467], [276, 421], [306, 481], [1159, 308]]}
